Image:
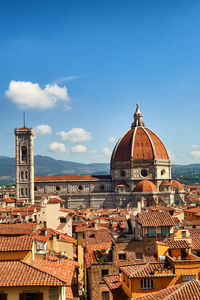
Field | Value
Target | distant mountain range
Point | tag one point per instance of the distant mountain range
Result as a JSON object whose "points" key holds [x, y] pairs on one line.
{"points": [[45, 165]]}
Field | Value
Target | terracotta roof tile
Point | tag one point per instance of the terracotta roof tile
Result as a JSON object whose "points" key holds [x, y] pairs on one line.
{"points": [[146, 186], [156, 218], [42, 238], [145, 270], [188, 291], [97, 237], [177, 185], [195, 241], [177, 244], [161, 152], [89, 259], [62, 270], [55, 200], [16, 243], [63, 236], [17, 273], [72, 178], [113, 281], [17, 229]]}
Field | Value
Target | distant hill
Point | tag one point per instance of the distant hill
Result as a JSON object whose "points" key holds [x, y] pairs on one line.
{"points": [[45, 165]]}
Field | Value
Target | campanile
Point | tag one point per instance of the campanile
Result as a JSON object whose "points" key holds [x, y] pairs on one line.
{"points": [[24, 164]]}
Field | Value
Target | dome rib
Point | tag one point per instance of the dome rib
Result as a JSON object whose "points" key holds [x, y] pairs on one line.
{"points": [[142, 146], [161, 152], [122, 150]]}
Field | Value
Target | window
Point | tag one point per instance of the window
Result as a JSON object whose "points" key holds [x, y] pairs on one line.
{"points": [[31, 296], [104, 272], [139, 255], [183, 234], [57, 188], [80, 187], [146, 283], [102, 187], [63, 220], [3, 296], [165, 231], [105, 296], [151, 231], [144, 173], [122, 256], [26, 191], [92, 236], [123, 173], [24, 153], [26, 174], [22, 175], [163, 172], [22, 192], [189, 277], [35, 188]]}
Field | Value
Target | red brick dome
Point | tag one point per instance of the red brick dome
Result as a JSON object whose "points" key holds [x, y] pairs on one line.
{"points": [[177, 185], [165, 183], [139, 143], [146, 186]]}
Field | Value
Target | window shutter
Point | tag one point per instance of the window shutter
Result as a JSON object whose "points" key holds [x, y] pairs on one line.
{"points": [[40, 296], [22, 297], [4, 296]]}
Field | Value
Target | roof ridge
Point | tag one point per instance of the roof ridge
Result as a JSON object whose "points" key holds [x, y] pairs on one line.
{"points": [[176, 291], [36, 268], [141, 268]]}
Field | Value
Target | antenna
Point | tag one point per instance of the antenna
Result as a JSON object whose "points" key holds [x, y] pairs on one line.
{"points": [[24, 118]]}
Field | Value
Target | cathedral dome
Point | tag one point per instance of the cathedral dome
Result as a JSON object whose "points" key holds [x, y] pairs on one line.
{"points": [[146, 186], [139, 143], [177, 185]]}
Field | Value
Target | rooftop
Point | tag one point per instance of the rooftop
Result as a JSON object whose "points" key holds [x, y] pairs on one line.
{"points": [[17, 273], [188, 291], [149, 219]]}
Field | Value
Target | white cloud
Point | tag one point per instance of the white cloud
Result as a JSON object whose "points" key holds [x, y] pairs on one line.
{"points": [[30, 95], [112, 139], [79, 149], [195, 146], [43, 130], [171, 156], [195, 154], [75, 135], [106, 152], [57, 147]]}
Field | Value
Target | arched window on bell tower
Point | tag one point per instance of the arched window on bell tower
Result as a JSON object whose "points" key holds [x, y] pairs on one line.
{"points": [[24, 153]]}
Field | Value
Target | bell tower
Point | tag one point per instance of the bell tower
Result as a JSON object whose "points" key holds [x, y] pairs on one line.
{"points": [[24, 164]]}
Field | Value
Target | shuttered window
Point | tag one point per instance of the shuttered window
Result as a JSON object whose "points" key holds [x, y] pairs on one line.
{"points": [[31, 296]]}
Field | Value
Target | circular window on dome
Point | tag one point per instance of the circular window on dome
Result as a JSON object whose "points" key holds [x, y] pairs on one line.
{"points": [[144, 173], [57, 188], [35, 188], [80, 187], [163, 172], [123, 173]]}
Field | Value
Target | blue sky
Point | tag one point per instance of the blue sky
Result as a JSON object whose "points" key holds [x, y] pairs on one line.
{"points": [[79, 67]]}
